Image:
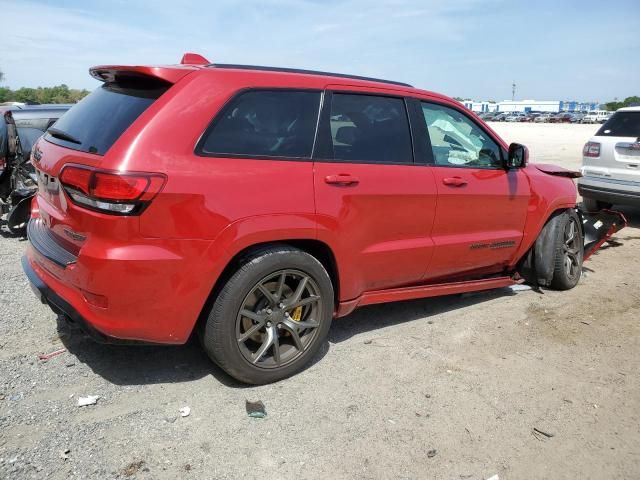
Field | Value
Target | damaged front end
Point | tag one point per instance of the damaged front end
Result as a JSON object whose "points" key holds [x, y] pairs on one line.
{"points": [[537, 267], [598, 227]]}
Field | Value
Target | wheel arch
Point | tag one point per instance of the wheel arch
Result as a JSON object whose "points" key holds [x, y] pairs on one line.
{"points": [[316, 248]]}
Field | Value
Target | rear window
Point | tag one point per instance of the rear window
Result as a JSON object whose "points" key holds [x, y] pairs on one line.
{"points": [[265, 123], [94, 124], [621, 124], [371, 129]]}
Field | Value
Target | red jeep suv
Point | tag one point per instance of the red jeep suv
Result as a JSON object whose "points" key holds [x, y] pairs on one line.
{"points": [[254, 204]]}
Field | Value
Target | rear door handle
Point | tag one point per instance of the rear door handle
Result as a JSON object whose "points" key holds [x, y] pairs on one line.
{"points": [[454, 181], [341, 179]]}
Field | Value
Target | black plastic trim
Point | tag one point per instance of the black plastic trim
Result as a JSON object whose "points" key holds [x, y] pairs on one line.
{"points": [[305, 72], [61, 307], [46, 245], [609, 195]]}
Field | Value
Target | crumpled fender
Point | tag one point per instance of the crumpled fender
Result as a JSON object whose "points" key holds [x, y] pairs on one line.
{"points": [[598, 227], [556, 170]]}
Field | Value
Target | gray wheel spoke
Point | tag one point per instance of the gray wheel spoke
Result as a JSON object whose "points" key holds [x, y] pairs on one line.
{"points": [[304, 301], [280, 288], [269, 296], [298, 293], [265, 346], [250, 332], [294, 335], [256, 317], [300, 325], [276, 349]]}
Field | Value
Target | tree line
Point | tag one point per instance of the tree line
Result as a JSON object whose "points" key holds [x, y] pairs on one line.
{"points": [[627, 102], [58, 94]]}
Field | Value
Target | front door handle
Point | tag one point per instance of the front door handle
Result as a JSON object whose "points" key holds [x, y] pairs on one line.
{"points": [[454, 181], [341, 179]]}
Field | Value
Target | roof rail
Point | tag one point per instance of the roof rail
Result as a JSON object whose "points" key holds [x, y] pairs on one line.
{"points": [[306, 72]]}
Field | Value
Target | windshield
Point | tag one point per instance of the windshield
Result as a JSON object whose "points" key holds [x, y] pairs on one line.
{"points": [[99, 119]]}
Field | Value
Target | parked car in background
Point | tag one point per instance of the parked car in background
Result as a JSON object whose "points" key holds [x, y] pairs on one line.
{"points": [[597, 116], [563, 117], [490, 116], [501, 116], [577, 117], [529, 117], [20, 127], [542, 118], [611, 163], [514, 117], [286, 198]]}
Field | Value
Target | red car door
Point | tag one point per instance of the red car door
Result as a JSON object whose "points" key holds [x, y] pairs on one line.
{"points": [[374, 205], [482, 207]]}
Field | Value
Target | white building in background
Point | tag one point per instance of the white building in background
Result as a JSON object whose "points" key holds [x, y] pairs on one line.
{"points": [[480, 106], [526, 106]]}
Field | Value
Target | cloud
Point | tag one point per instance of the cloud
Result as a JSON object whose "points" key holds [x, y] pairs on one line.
{"points": [[470, 48]]}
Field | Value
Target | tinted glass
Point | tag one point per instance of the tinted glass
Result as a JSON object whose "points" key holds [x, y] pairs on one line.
{"points": [[457, 141], [102, 116], [28, 137], [621, 124], [266, 124], [366, 128]]}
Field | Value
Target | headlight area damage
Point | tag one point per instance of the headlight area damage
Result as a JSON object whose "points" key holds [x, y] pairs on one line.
{"points": [[538, 266]]}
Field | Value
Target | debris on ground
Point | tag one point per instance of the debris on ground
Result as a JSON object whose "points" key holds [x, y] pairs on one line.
{"points": [[520, 287], [541, 433], [88, 400], [64, 455], [185, 411], [133, 468], [256, 409], [47, 356], [368, 342], [432, 453], [494, 477]]}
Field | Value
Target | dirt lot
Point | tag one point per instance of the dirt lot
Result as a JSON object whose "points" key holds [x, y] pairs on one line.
{"points": [[447, 388]]}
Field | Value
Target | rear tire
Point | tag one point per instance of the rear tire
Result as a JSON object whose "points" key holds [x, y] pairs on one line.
{"points": [[568, 252], [255, 331], [593, 205]]}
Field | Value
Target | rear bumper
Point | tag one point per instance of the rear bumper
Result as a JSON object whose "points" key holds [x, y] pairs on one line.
{"points": [[140, 291], [609, 195], [58, 304]]}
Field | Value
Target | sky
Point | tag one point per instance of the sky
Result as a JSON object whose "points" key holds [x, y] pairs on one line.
{"points": [[553, 50]]}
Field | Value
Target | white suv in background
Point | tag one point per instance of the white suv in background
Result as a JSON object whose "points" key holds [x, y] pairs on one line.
{"points": [[597, 116], [611, 163]]}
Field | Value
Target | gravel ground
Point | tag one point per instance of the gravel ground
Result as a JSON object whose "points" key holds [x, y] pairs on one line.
{"points": [[446, 388]]}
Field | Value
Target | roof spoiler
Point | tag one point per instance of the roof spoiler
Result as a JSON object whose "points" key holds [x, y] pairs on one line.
{"points": [[169, 73]]}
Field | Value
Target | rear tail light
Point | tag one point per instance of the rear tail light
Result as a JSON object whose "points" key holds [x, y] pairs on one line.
{"points": [[591, 149], [111, 192]]}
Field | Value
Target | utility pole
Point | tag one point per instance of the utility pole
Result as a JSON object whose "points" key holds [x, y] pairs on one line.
{"points": [[513, 91]]}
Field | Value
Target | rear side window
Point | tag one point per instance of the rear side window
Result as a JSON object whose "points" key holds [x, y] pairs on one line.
{"points": [[265, 123], [368, 128], [28, 137], [621, 124], [3, 137], [94, 124]]}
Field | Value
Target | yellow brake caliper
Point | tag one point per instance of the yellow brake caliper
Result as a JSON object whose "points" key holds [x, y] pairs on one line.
{"points": [[296, 315]]}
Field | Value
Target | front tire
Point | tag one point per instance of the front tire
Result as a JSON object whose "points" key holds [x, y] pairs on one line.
{"points": [[568, 252], [271, 317]]}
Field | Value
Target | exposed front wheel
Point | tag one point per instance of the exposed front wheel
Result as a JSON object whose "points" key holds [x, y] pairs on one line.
{"points": [[568, 252], [271, 316]]}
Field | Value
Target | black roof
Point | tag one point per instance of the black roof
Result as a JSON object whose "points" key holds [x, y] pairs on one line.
{"points": [[306, 72]]}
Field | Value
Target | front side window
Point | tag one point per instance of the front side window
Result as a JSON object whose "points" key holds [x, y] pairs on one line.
{"points": [[457, 141], [367, 128], [266, 123]]}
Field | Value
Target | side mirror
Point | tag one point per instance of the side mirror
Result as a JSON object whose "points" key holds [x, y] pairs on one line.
{"points": [[518, 156]]}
